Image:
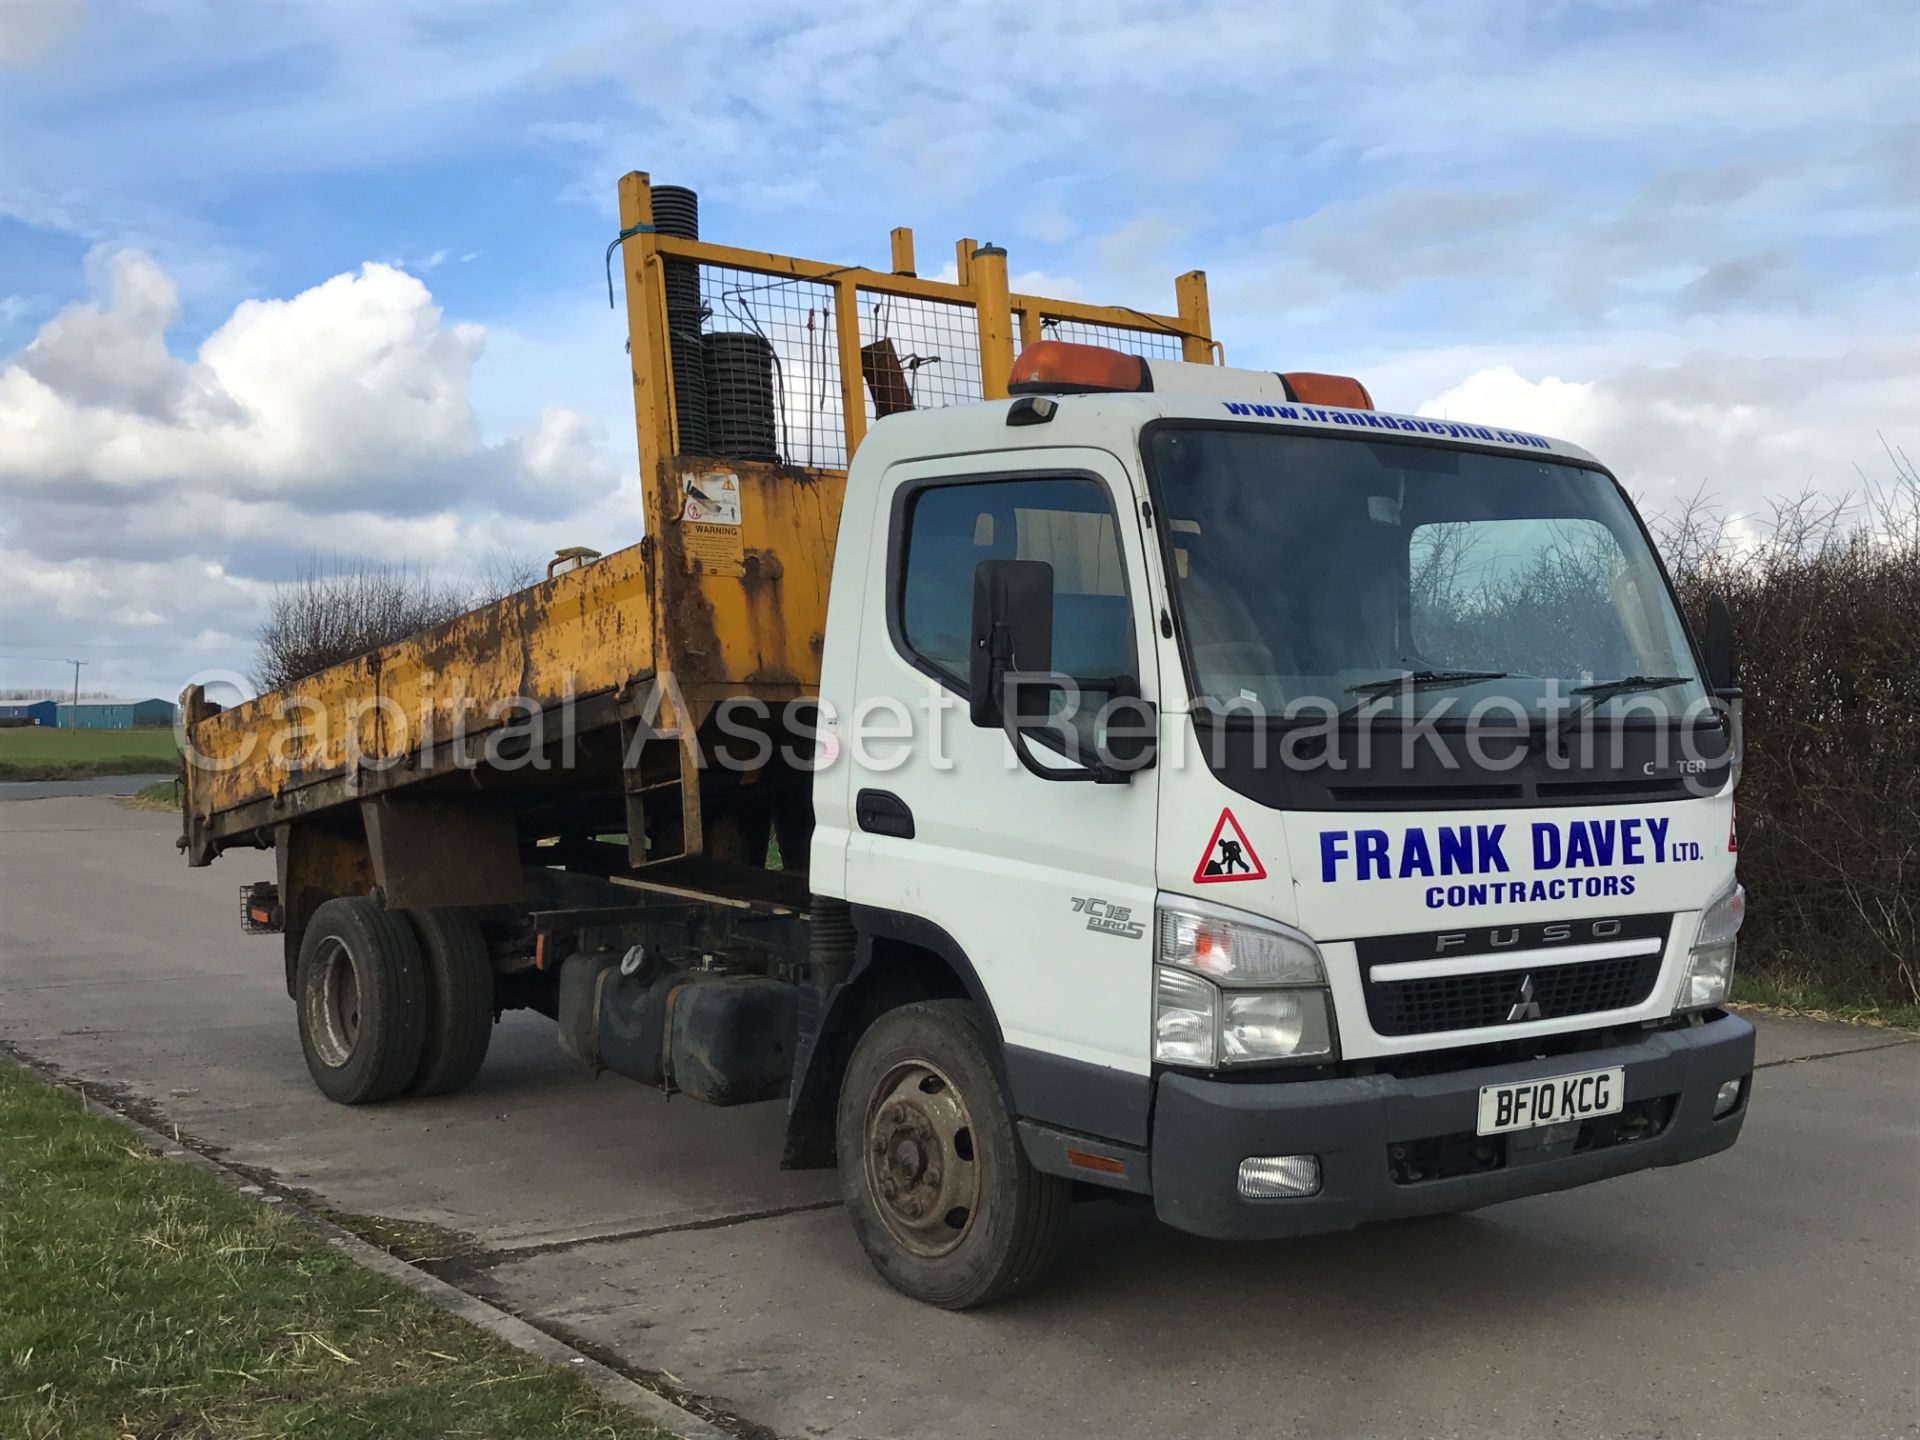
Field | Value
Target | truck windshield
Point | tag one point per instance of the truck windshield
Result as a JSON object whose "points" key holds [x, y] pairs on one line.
{"points": [[1339, 573]]}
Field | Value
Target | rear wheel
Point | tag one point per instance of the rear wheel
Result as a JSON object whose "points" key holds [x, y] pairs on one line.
{"points": [[941, 1193], [459, 1022], [361, 997]]}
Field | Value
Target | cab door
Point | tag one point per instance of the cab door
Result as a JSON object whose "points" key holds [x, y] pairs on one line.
{"points": [[1045, 886]]}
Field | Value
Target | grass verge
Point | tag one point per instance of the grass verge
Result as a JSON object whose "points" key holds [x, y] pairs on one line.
{"points": [[145, 1298], [153, 797], [39, 752], [1768, 992]]}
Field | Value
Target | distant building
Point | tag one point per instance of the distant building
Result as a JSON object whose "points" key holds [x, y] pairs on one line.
{"points": [[114, 714], [30, 712]]}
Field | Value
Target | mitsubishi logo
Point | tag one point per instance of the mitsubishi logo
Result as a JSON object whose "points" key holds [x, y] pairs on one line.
{"points": [[1526, 1007]]}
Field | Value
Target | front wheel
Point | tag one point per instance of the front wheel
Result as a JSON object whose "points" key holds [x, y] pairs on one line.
{"points": [[942, 1195]]}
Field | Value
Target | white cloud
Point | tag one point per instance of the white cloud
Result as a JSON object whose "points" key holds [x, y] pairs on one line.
{"points": [[1548, 406], [110, 354], [355, 392], [146, 490], [1744, 432]]}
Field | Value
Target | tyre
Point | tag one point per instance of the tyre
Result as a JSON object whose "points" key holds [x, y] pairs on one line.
{"points": [[360, 991], [941, 1193], [459, 975]]}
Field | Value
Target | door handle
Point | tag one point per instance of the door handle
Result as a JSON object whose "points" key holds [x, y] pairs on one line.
{"points": [[881, 812]]}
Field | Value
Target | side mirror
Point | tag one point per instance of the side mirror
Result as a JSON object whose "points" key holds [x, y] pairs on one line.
{"points": [[1011, 683], [1723, 657], [1012, 631]]}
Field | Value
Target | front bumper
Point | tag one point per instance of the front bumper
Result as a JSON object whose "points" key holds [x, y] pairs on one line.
{"points": [[1378, 1137]]}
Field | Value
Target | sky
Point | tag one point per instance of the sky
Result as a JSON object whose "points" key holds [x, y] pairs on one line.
{"points": [[286, 279]]}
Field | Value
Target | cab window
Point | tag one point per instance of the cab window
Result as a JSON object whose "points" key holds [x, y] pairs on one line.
{"points": [[1067, 522]]}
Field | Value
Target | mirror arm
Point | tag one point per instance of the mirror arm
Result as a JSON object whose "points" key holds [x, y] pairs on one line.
{"points": [[1000, 661], [1099, 774]]}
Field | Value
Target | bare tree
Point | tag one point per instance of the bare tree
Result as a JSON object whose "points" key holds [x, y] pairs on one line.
{"points": [[501, 572], [336, 610]]}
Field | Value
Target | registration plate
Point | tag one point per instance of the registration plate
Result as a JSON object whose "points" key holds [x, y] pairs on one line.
{"points": [[1527, 1103]]}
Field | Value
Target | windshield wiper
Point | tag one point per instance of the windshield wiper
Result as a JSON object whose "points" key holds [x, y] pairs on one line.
{"points": [[1425, 677], [1416, 680], [1602, 691]]}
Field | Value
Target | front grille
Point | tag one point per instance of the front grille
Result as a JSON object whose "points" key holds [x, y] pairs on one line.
{"points": [[1474, 1002]]}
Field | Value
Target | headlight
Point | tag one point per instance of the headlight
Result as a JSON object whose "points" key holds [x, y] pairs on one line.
{"points": [[1230, 990], [1709, 976], [1263, 1024]]}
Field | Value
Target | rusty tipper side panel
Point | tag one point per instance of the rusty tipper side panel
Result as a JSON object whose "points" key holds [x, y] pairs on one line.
{"points": [[743, 608], [726, 610], [583, 633], [725, 598]]}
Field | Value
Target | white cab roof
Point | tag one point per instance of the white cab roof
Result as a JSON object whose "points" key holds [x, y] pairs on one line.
{"points": [[1111, 420]]}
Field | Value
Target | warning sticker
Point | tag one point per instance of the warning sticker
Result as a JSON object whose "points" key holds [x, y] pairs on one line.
{"points": [[713, 549], [1229, 855], [711, 499], [710, 523]]}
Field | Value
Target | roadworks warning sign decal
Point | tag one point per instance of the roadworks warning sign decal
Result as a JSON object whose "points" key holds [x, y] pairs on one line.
{"points": [[1229, 855]]}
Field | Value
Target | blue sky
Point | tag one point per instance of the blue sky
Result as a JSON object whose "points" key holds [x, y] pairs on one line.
{"points": [[278, 277]]}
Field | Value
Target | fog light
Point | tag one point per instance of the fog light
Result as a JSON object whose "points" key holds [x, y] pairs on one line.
{"points": [[1279, 1177], [1724, 1100]]}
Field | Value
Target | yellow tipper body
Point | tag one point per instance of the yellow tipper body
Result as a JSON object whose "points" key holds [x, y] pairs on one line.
{"points": [[727, 593]]}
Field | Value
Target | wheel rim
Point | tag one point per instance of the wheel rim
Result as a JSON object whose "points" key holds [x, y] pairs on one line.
{"points": [[920, 1159], [333, 1004]]}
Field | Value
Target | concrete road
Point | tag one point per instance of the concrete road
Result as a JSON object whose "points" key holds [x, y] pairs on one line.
{"points": [[91, 785], [1774, 1290]]}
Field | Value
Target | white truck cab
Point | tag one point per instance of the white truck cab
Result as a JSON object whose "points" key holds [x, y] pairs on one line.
{"points": [[1327, 813]]}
